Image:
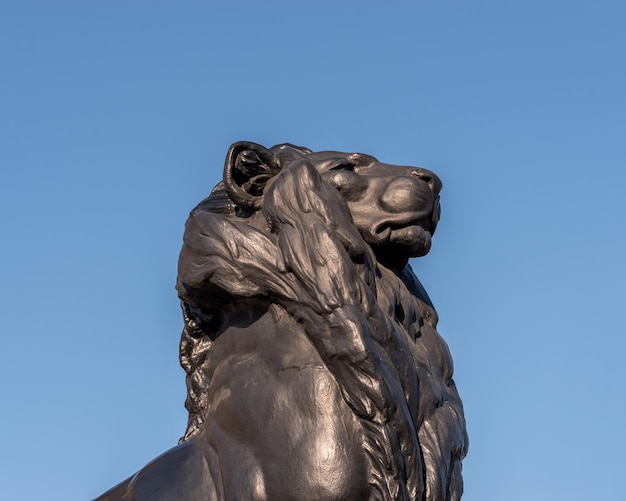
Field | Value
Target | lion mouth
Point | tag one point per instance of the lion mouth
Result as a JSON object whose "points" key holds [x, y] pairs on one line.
{"points": [[425, 220], [385, 230]]}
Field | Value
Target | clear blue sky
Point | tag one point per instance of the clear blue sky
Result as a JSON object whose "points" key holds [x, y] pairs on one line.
{"points": [[114, 121]]}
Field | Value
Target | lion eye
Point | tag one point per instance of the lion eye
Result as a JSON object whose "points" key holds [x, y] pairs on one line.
{"points": [[342, 165]]}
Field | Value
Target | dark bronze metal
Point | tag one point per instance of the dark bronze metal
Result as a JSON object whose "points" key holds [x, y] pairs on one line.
{"points": [[314, 367]]}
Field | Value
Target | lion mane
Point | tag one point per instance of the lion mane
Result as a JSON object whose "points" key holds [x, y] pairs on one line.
{"points": [[373, 327]]}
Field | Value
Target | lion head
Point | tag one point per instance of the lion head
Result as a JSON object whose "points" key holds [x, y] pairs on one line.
{"points": [[395, 208], [326, 237]]}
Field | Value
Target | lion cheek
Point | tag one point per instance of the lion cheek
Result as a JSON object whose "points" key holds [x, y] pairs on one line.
{"points": [[406, 195]]}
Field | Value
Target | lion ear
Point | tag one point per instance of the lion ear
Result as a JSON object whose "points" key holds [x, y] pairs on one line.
{"points": [[247, 169]]}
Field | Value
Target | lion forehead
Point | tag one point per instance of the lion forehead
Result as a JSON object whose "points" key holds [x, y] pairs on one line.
{"points": [[324, 160]]}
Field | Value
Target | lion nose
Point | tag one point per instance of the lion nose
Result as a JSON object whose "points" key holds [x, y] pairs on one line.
{"points": [[428, 177]]}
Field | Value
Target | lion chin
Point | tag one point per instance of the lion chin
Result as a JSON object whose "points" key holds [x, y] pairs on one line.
{"points": [[414, 240], [314, 367]]}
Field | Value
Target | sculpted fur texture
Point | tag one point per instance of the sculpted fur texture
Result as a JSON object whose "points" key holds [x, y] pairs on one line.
{"points": [[314, 368]]}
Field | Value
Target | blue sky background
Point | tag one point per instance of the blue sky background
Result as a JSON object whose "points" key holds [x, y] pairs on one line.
{"points": [[114, 121]]}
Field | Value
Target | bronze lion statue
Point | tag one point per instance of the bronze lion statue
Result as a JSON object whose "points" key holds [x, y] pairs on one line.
{"points": [[314, 367]]}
